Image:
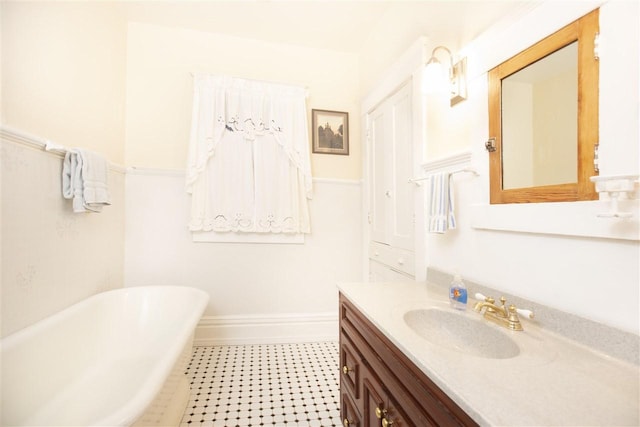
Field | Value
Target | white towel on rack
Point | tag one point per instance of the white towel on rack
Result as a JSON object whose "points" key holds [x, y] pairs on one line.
{"points": [[85, 180], [441, 207]]}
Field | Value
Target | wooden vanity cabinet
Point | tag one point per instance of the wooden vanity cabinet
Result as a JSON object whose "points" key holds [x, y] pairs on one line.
{"points": [[381, 387], [379, 405]]}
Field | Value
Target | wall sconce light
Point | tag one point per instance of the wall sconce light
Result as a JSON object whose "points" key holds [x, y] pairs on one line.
{"points": [[435, 77]]}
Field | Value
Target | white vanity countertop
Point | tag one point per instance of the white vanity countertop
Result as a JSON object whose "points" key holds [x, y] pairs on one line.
{"points": [[552, 382]]}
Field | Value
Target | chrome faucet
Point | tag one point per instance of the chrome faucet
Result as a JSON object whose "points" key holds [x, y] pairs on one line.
{"points": [[501, 314]]}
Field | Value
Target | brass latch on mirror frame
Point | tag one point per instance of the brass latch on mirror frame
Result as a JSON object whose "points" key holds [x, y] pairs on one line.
{"points": [[490, 145]]}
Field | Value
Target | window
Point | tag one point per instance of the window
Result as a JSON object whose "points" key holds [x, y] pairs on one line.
{"points": [[248, 166]]}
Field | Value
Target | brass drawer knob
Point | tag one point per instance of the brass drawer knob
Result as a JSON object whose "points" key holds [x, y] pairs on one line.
{"points": [[379, 412], [346, 422], [346, 370], [386, 422]]}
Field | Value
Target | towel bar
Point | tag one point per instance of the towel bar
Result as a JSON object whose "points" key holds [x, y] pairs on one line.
{"points": [[55, 148], [415, 180]]}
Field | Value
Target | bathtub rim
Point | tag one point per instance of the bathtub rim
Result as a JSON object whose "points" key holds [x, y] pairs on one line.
{"points": [[146, 392], [28, 331]]}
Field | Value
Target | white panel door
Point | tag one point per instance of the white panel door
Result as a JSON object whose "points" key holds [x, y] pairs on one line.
{"points": [[379, 186], [401, 230], [391, 196]]}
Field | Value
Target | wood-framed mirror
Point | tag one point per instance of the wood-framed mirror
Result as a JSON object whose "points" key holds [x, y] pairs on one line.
{"points": [[543, 119]]}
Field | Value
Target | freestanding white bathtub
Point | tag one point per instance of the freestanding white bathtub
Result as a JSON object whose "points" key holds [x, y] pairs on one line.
{"points": [[115, 359]]}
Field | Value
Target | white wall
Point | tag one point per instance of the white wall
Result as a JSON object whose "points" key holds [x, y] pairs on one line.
{"points": [[292, 284], [63, 78], [596, 278], [289, 287], [69, 72], [63, 70], [52, 257]]}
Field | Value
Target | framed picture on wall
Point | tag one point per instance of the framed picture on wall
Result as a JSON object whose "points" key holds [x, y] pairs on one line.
{"points": [[330, 132]]}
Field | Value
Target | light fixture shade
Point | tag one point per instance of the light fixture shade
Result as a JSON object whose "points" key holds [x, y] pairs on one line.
{"points": [[434, 78], [439, 79]]}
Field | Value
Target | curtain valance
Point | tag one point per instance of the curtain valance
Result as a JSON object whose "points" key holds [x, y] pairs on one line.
{"points": [[248, 161]]}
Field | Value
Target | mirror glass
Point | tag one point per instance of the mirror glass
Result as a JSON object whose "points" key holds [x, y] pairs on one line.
{"points": [[540, 122], [543, 119]]}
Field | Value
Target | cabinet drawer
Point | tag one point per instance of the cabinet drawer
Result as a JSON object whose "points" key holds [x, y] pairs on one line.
{"points": [[380, 407], [348, 413], [383, 273], [349, 367], [398, 259]]}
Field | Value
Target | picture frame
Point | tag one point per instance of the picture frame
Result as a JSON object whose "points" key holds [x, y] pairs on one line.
{"points": [[330, 132]]}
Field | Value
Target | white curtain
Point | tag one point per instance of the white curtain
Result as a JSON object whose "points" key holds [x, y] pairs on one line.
{"points": [[248, 163]]}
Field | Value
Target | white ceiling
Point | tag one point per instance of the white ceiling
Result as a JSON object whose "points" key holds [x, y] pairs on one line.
{"points": [[342, 25]]}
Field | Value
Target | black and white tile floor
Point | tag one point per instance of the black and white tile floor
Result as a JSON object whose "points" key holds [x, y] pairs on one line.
{"points": [[282, 385]]}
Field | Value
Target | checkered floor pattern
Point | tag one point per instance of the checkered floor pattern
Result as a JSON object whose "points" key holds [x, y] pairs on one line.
{"points": [[282, 385]]}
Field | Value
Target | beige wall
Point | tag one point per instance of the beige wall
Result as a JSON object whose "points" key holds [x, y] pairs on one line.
{"points": [[281, 280], [387, 41], [159, 89], [63, 70], [63, 76], [64, 66]]}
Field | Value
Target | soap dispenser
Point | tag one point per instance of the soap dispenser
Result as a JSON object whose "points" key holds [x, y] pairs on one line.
{"points": [[458, 293]]}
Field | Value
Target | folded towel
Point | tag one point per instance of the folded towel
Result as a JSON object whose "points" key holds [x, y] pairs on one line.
{"points": [[72, 180], [441, 208], [95, 173], [84, 179]]}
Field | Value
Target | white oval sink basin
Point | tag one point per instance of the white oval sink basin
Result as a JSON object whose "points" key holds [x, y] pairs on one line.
{"points": [[458, 332]]}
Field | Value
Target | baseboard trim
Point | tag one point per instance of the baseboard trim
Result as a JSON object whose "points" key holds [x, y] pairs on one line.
{"points": [[266, 329]]}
